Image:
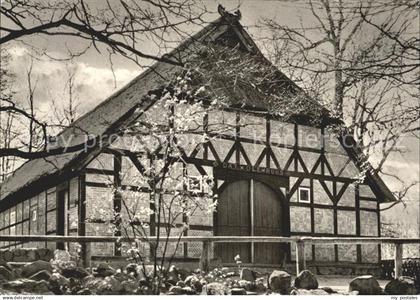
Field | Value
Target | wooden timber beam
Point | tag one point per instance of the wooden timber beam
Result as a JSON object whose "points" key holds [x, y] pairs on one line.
{"points": [[215, 239], [208, 240]]}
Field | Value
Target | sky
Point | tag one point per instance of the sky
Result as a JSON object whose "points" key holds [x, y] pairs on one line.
{"points": [[94, 80]]}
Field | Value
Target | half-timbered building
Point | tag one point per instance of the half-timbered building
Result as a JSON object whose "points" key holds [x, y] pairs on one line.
{"points": [[278, 167]]}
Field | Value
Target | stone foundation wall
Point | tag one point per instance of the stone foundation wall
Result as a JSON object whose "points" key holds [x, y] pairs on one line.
{"points": [[337, 269], [26, 255]]}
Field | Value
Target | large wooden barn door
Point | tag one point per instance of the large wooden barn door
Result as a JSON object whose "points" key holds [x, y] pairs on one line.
{"points": [[62, 200], [235, 217], [267, 222]]}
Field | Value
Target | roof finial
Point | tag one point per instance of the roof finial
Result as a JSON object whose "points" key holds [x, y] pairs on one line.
{"points": [[231, 18]]}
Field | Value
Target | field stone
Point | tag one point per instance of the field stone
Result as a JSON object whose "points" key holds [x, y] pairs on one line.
{"points": [[136, 270], [280, 282], [5, 273], [194, 282], [183, 273], [260, 285], [215, 288], [84, 291], [5, 264], [175, 290], [74, 272], [7, 292], [365, 285], [188, 291], [247, 274], [197, 285], [238, 291], [34, 267], [8, 255], [173, 275], [306, 280], [181, 283], [17, 272], [58, 282], [41, 287], [122, 276], [45, 254], [189, 279], [245, 284], [132, 269], [20, 255], [404, 285], [104, 270], [41, 275], [92, 283], [109, 286], [27, 285], [308, 292], [130, 286], [32, 255]]}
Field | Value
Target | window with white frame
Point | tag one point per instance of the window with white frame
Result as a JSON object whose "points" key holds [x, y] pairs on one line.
{"points": [[304, 195]]}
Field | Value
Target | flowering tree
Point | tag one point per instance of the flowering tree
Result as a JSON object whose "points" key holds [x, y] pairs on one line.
{"points": [[162, 193]]}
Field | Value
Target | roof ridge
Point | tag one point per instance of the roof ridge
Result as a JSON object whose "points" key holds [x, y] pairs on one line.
{"points": [[145, 72]]}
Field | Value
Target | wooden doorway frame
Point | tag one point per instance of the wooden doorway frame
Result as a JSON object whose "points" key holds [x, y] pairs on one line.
{"points": [[279, 185]]}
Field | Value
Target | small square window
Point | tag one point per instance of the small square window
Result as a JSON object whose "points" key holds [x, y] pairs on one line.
{"points": [[12, 217], [195, 184], [34, 214], [304, 194]]}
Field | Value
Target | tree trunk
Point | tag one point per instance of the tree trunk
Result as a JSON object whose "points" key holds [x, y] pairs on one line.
{"points": [[339, 87]]}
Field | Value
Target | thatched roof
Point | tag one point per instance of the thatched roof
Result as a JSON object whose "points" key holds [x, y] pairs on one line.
{"points": [[272, 93]]}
